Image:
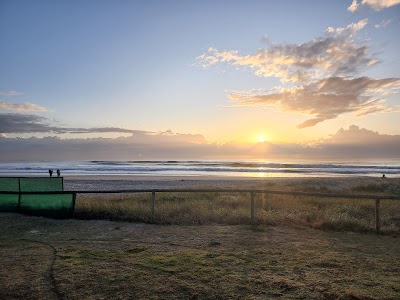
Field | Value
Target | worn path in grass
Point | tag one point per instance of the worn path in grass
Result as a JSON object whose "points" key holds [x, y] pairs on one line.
{"points": [[73, 259]]}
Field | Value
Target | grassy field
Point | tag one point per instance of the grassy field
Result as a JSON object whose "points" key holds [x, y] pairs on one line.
{"points": [[337, 214], [76, 259], [283, 256]]}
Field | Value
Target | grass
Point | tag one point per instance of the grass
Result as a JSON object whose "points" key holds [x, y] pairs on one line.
{"points": [[336, 214], [76, 259], [281, 257]]}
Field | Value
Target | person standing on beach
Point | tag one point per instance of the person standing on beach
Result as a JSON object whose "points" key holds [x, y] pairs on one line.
{"points": [[58, 173], [50, 173]]}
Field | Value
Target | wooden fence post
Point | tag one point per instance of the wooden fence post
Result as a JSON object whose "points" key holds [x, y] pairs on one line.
{"points": [[73, 204], [153, 200], [19, 195], [252, 208], [377, 217]]}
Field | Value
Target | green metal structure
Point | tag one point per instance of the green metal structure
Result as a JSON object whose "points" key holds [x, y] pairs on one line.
{"points": [[40, 196]]}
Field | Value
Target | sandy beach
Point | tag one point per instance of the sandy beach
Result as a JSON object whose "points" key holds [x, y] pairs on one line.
{"points": [[334, 184]]}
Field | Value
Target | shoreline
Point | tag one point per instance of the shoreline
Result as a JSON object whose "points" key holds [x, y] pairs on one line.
{"points": [[217, 177]]}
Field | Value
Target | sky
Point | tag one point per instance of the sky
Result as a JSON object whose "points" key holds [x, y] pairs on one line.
{"points": [[199, 79]]}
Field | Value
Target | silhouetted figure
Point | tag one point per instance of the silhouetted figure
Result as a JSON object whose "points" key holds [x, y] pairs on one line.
{"points": [[50, 173], [58, 173], [383, 176]]}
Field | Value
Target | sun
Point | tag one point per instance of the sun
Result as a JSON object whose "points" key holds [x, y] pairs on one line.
{"points": [[261, 139]]}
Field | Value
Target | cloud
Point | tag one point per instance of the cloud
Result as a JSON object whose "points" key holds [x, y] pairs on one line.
{"points": [[323, 75], [354, 6], [383, 24], [91, 130], [140, 145], [11, 93], [22, 107], [352, 143], [357, 142], [27, 123], [356, 135], [335, 53], [326, 98], [374, 4], [179, 137], [350, 30], [19, 123]]}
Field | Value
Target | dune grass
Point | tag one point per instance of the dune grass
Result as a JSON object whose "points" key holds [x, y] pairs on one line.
{"points": [[336, 214]]}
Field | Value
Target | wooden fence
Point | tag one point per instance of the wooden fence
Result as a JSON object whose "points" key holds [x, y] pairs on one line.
{"points": [[252, 192]]}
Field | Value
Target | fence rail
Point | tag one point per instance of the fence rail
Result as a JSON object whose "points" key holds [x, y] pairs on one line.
{"points": [[252, 192], [256, 191]]}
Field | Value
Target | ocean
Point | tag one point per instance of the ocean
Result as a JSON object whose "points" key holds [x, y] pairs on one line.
{"points": [[242, 168]]}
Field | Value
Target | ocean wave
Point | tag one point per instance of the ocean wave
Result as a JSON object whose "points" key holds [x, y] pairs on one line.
{"points": [[101, 167]]}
